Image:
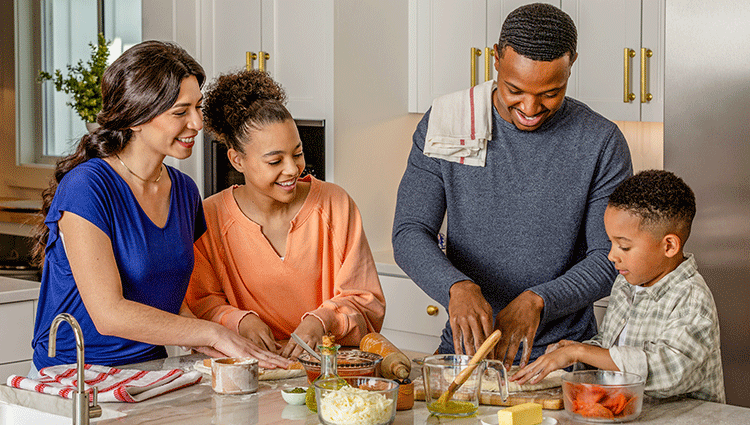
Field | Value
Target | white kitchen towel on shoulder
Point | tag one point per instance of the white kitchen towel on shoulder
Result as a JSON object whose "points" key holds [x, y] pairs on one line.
{"points": [[114, 385], [460, 125]]}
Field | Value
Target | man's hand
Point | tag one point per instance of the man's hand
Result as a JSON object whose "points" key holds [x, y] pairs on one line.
{"points": [[518, 322], [311, 331], [470, 317], [258, 332]]}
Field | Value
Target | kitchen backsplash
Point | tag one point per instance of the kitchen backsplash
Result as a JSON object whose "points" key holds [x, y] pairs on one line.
{"points": [[646, 142]]}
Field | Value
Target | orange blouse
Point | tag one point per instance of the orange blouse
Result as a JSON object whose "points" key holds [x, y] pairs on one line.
{"points": [[327, 270]]}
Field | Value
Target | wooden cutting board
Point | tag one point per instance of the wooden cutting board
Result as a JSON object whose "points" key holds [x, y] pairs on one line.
{"points": [[550, 399]]}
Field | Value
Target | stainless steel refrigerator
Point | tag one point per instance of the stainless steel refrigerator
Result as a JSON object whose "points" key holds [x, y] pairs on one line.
{"points": [[707, 143]]}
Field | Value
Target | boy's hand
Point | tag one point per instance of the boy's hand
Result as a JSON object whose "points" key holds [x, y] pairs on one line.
{"points": [[558, 356]]}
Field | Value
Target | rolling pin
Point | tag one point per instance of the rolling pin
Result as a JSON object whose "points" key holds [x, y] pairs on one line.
{"points": [[395, 364]]}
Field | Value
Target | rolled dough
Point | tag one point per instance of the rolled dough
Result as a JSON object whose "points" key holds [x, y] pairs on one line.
{"points": [[489, 381]]}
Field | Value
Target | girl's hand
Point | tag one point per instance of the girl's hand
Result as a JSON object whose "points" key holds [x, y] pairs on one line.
{"points": [[311, 331], [256, 330]]}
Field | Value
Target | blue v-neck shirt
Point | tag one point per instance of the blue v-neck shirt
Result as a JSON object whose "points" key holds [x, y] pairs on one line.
{"points": [[154, 263]]}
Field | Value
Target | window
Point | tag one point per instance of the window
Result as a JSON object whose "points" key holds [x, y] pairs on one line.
{"points": [[50, 35]]}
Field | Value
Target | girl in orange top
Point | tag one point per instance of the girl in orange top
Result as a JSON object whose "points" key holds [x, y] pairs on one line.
{"points": [[282, 253]]}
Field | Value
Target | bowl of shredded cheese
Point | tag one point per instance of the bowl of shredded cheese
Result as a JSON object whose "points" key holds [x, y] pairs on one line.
{"points": [[365, 401]]}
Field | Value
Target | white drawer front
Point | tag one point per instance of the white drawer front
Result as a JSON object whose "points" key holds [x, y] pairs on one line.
{"points": [[16, 332], [407, 306]]}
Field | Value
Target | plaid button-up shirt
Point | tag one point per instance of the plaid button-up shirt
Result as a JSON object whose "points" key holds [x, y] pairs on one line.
{"points": [[672, 337]]}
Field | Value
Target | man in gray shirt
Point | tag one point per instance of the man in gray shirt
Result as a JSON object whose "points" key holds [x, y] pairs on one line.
{"points": [[526, 248]]}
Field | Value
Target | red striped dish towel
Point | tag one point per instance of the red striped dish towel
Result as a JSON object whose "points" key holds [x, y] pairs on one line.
{"points": [[460, 125], [114, 385]]}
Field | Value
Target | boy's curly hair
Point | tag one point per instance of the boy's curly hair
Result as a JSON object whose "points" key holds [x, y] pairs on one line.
{"points": [[235, 104], [662, 200]]}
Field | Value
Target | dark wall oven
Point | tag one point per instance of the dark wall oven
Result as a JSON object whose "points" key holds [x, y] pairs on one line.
{"points": [[219, 173], [15, 258]]}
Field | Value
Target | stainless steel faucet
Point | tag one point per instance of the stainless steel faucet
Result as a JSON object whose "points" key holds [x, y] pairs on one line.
{"points": [[81, 409]]}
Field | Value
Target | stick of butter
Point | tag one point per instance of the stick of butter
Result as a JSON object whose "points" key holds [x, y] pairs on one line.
{"points": [[522, 414]]}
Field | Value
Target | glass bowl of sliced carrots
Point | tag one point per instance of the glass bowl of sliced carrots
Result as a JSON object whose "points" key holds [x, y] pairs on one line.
{"points": [[603, 395]]}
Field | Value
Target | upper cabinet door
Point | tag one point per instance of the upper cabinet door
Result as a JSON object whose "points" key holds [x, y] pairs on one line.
{"points": [[620, 45], [653, 20], [229, 30], [298, 36], [442, 34]]}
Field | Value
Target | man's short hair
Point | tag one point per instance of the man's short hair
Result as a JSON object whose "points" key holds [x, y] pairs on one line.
{"points": [[539, 31], [662, 200]]}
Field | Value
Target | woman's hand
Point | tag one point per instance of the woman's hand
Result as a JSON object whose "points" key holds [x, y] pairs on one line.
{"points": [[311, 331], [230, 344], [257, 331]]}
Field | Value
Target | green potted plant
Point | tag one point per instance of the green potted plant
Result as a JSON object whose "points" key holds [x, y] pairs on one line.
{"points": [[83, 81]]}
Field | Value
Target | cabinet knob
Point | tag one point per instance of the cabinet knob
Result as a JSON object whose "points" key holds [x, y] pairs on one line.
{"points": [[432, 310]]}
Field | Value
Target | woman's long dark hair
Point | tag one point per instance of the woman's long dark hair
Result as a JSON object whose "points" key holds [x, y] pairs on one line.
{"points": [[138, 86]]}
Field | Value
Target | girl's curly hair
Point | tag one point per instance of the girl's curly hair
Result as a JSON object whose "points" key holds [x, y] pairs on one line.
{"points": [[235, 104]]}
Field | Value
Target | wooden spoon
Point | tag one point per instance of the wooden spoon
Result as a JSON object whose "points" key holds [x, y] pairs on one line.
{"points": [[484, 349]]}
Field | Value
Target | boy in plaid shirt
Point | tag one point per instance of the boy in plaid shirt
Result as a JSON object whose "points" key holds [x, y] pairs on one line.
{"points": [[661, 322]]}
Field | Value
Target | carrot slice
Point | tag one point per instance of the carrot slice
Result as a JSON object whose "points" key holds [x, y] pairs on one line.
{"points": [[615, 403], [596, 410]]}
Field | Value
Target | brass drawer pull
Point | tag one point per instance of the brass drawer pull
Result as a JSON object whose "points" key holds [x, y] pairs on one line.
{"points": [[628, 96]]}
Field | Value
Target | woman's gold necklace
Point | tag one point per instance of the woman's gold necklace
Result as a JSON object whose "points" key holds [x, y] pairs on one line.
{"points": [[161, 171]]}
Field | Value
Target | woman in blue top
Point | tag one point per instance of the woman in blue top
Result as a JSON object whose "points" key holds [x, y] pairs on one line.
{"points": [[117, 241]]}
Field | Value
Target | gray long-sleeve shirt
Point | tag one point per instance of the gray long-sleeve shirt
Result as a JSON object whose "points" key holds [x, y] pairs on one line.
{"points": [[531, 218]]}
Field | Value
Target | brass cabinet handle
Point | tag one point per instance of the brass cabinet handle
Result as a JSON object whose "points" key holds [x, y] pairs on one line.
{"points": [[645, 95], [487, 63], [249, 58], [262, 58], [474, 53], [627, 95], [432, 310]]}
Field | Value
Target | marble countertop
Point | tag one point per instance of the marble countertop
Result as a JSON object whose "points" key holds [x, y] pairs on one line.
{"points": [[198, 404], [16, 290]]}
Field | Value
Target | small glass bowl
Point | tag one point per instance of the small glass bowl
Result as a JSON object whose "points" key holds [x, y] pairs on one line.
{"points": [[381, 414], [348, 363], [603, 395]]}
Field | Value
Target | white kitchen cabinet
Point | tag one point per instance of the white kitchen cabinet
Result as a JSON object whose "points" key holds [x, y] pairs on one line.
{"points": [[413, 320], [620, 86], [292, 38], [442, 34], [16, 334]]}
